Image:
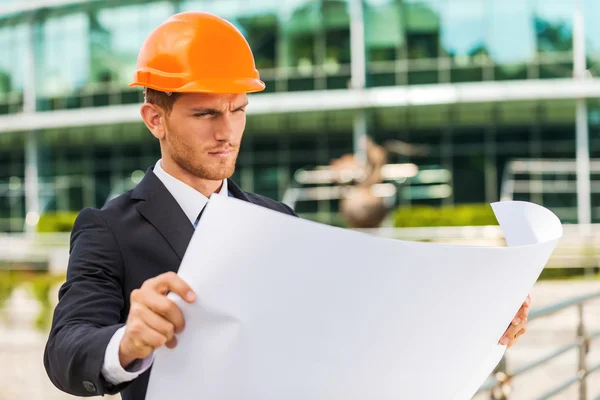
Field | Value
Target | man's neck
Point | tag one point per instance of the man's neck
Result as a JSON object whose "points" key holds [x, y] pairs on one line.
{"points": [[204, 186]]}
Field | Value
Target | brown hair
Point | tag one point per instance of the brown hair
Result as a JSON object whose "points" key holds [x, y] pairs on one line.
{"points": [[161, 99]]}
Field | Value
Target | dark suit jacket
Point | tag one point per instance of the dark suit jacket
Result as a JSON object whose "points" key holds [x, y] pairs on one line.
{"points": [[141, 234]]}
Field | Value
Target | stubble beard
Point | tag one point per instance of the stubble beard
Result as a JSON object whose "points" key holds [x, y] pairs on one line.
{"points": [[213, 169]]}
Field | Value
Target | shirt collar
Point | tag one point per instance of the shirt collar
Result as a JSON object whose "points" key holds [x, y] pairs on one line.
{"points": [[190, 200]]}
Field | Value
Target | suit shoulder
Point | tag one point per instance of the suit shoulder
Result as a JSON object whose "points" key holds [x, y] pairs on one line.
{"points": [[112, 210], [117, 204], [270, 203]]}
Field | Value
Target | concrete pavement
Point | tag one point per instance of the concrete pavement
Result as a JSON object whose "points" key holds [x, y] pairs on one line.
{"points": [[22, 374]]}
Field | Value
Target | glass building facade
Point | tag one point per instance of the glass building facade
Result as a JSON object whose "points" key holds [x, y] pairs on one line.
{"points": [[80, 56]]}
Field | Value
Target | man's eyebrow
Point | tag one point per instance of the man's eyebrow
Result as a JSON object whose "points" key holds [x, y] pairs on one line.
{"points": [[204, 110], [209, 110], [243, 105]]}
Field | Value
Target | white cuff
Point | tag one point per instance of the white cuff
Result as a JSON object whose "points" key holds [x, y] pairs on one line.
{"points": [[111, 368]]}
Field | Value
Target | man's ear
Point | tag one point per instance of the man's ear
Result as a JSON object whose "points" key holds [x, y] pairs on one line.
{"points": [[154, 118]]}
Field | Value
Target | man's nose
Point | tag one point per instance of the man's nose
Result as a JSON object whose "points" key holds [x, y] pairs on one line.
{"points": [[224, 127]]}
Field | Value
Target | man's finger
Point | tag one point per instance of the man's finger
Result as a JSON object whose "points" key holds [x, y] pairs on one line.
{"points": [[171, 282], [528, 301], [171, 344], [511, 333], [516, 336], [165, 307], [522, 315], [152, 338], [154, 321], [144, 338]]}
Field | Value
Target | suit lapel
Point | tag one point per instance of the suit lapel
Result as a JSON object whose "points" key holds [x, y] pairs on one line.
{"points": [[236, 192], [160, 209]]}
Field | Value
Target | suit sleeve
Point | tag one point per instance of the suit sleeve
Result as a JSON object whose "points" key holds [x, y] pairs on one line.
{"points": [[88, 311]]}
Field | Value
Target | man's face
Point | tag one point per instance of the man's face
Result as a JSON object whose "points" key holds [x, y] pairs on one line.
{"points": [[204, 131]]}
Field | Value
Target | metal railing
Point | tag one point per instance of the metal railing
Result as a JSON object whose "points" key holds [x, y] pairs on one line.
{"points": [[500, 383], [579, 246]]}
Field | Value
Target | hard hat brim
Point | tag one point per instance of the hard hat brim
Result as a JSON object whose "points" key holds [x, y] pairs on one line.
{"points": [[225, 86]]}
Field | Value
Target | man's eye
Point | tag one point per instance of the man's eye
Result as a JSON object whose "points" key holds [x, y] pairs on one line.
{"points": [[201, 114], [240, 110]]}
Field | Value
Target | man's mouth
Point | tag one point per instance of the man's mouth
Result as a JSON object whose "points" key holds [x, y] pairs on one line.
{"points": [[224, 153]]}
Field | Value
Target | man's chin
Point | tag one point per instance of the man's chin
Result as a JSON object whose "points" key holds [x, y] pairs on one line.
{"points": [[219, 175]]}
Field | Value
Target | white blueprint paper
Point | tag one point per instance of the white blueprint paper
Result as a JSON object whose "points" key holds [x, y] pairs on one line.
{"points": [[295, 310]]}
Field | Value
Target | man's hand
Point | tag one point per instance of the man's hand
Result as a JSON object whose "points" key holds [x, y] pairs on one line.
{"points": [[153, 318], [518, 326]]}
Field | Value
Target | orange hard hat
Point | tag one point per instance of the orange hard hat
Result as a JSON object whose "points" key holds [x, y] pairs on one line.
{"points": [[197, 52]]}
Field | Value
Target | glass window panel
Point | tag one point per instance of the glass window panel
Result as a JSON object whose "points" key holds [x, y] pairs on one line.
{"points": [[553, 25], [63, 36], [301, 20], [472, 114], [560, 111], [340, 144], [422, 19], [428, 116], [511, 49], [417, 77], [257, 20], [515, 137], [336, 20], [12, 66], [303, 152], [223, 8], [381, 79], [339, 121], [384, 39], [521, 112], [116, 35], [507, 72], [556, 70], [464, 28], [302, 46], [336, 23], [466, 74], [591, 12], [514, 45], [259, 26], [468, 173], [266, 180], [384, 31], [313, 121], [463, 38], [19, 57]]}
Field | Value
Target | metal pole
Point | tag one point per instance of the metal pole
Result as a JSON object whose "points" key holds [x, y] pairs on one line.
{"points": [[584, 216], [503, 389], [357, 45], [358, 71], [583, 350], [32, 200], [490, 167], [360, 135]]}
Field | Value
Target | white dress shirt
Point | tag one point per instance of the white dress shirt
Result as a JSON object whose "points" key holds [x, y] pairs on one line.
{"points": [[191, 202]]}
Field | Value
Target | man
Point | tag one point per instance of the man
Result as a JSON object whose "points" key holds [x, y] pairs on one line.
{"points": [[113, 312]]}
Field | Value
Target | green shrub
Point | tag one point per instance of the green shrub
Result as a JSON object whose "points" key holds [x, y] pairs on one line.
{"points": [[7, 285], [428, 216], [549, 274], [40, 285], [60, 221]]}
